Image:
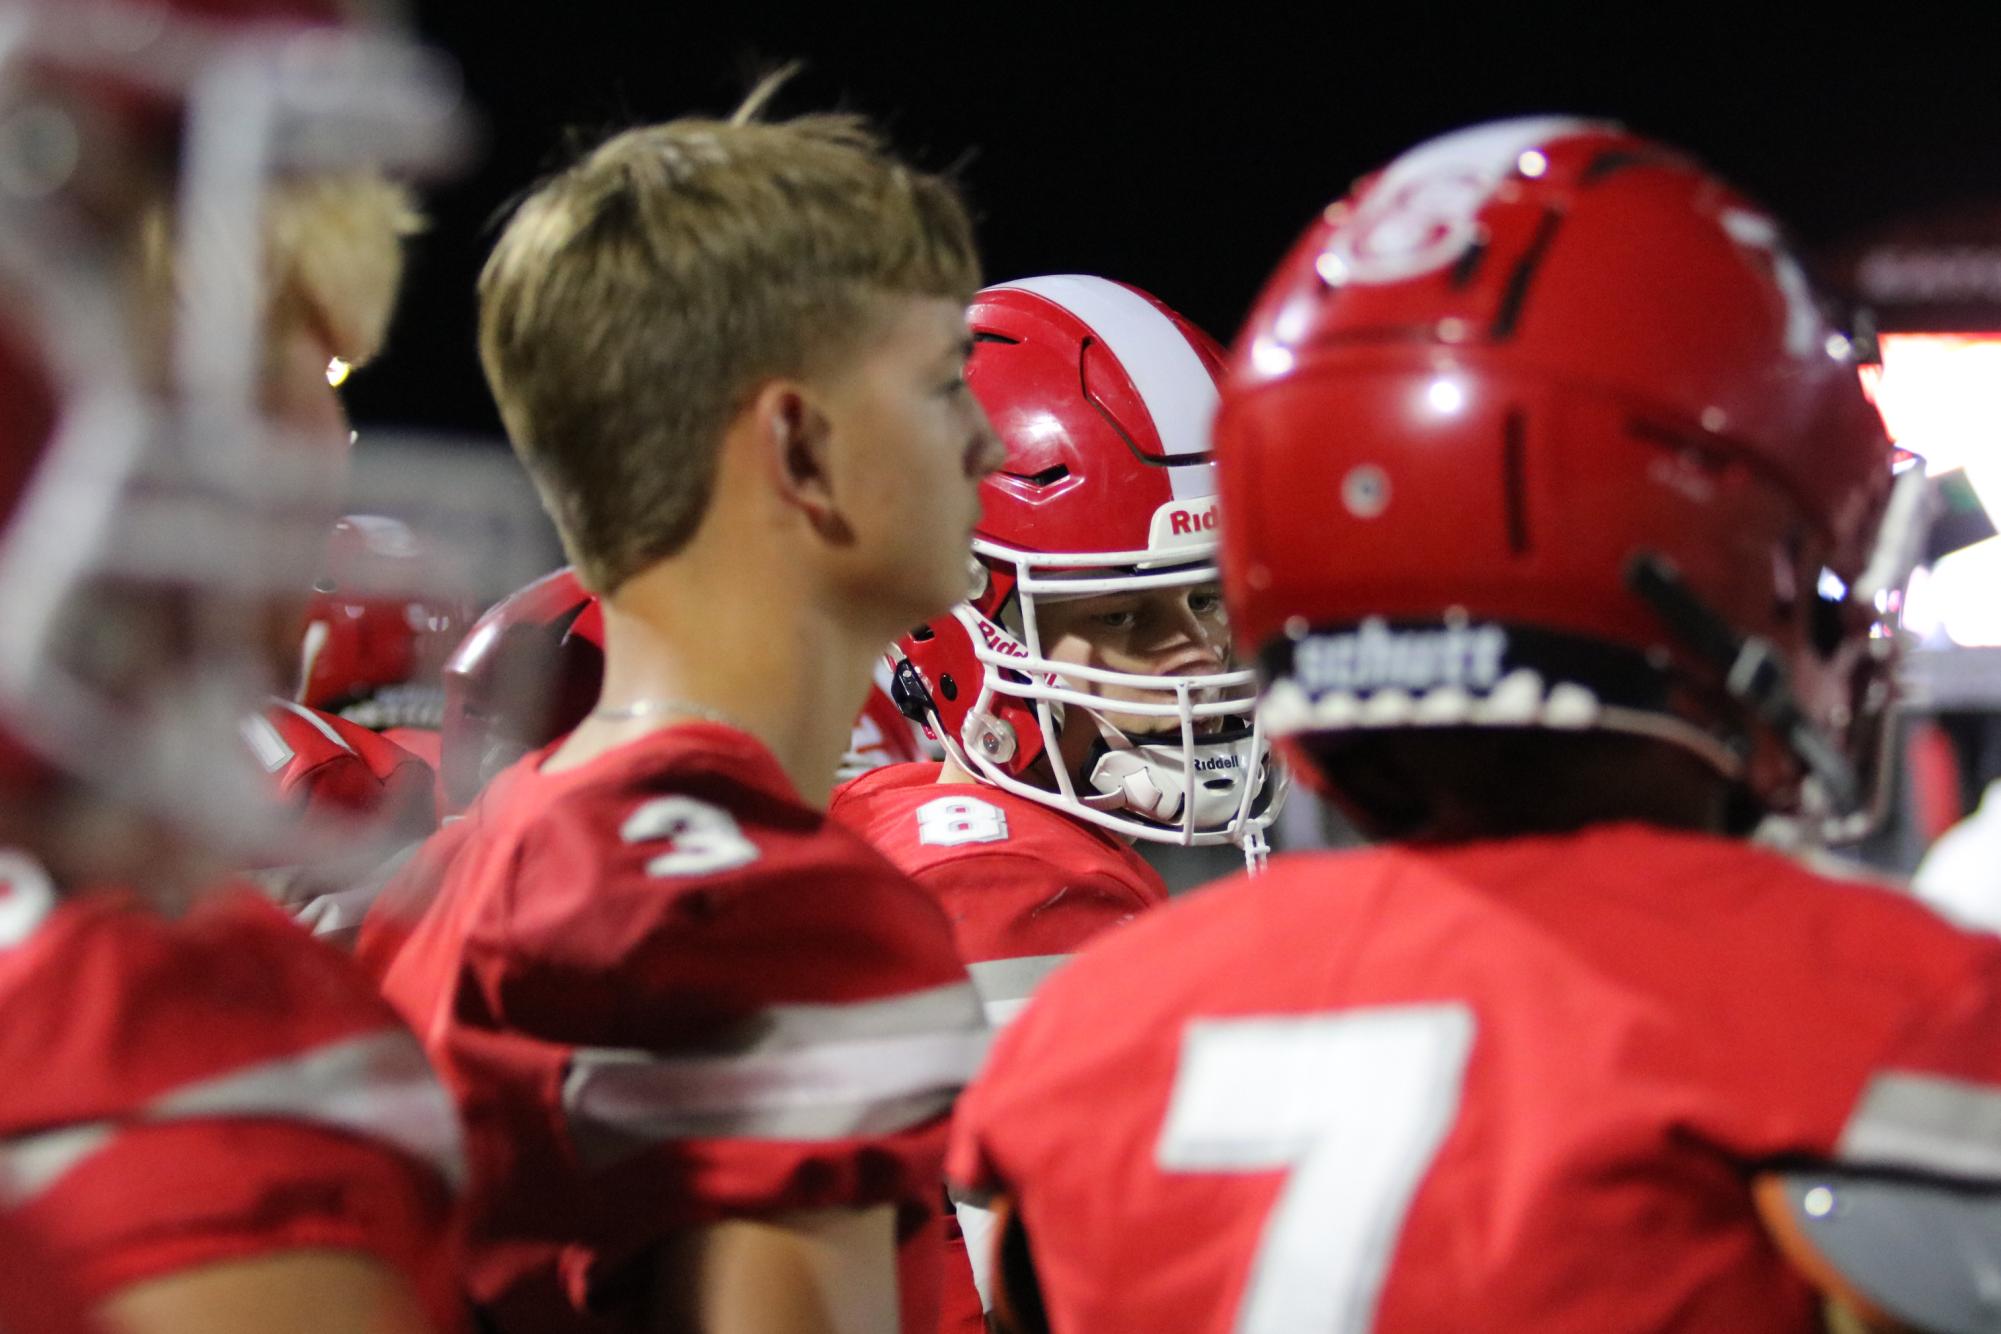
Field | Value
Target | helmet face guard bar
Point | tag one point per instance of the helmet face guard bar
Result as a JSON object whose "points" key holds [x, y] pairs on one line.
{"points": [[1198, 783]]}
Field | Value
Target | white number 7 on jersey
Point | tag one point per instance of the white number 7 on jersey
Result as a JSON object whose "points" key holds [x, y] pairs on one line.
{"points": [[1356, 1104]]}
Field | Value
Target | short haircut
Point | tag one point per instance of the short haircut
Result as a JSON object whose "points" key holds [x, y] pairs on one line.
{"points": [[636, 299]]}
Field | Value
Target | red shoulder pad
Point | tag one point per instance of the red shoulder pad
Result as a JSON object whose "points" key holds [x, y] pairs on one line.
{"points": [[1014, 877], [211, 1089], [326, 765]]}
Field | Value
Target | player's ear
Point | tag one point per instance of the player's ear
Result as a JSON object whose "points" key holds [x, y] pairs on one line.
{"points": [[797, 435]]}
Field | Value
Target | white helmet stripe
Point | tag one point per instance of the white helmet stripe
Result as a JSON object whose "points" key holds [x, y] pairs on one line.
{"points": [[1179, 393]]}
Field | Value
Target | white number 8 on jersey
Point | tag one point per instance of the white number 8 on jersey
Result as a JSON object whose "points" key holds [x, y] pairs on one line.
{"points": [[949, 821]]}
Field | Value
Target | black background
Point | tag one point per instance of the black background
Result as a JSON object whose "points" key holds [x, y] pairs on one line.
{"points": [[1182, 154]]}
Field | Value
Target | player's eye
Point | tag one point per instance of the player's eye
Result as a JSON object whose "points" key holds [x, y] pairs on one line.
{"points": [[1205, 603], [1122, 619]]}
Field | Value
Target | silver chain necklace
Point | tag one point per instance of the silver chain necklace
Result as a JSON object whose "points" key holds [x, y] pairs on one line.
{"points": [[669, 708]]}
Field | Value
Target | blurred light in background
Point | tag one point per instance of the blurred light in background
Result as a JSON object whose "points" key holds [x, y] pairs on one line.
{"points": [[1940, 396]]}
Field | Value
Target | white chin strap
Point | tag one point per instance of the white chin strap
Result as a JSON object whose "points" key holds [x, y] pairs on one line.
{"points": [[1153, 781]]}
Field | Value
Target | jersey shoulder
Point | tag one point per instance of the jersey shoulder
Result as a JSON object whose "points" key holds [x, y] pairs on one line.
{"points": [[973, 834], [120, 1007], [1847, 919], [213, 1088], [324, 762], [683, 872]]}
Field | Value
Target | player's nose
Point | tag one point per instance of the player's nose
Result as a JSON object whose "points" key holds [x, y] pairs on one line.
{"points": [[985, 453]]}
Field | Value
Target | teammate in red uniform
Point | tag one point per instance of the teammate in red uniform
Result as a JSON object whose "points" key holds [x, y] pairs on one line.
{"points": [[376, 660], [1559, 528], [705, 1037], [207, 1121], [1024, 835], [356, 752]]}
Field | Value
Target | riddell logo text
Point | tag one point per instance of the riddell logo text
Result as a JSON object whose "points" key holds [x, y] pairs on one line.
{"points": [[999, 642], [1184, 524], [1218, 762]]}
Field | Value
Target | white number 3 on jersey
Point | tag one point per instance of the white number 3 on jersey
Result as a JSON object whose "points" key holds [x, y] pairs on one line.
{"points": [[701, 839], [1352, 1106], [949, 821]]}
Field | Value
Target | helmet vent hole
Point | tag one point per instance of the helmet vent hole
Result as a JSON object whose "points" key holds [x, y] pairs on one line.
{"points": [[1515, 295], [948, 687], [923, 633], [1469, 259], [1514, 479]]}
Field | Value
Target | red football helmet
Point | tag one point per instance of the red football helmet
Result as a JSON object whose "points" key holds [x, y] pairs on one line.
{"points": [[1542, 427], [369, 655], [1103, 398], [527, 673]]}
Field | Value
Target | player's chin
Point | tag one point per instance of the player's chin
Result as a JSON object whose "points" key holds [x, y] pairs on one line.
{"points": [[924, 585]]}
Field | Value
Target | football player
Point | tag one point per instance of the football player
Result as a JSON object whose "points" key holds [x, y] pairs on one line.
{"points": [[706, 1037], [207, 1121], [324, 750], [376, 660], [1084, 695], [1558, 527]]}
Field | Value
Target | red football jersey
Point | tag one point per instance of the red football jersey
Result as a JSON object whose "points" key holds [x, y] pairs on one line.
{"points": [[1023, 884], [669, 993], [325, 765], [210, 1089], [1506, 1086], [426, 743]]}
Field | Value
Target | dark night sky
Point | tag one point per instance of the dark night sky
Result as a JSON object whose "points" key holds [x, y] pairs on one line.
{"points": [[1182, 155]]}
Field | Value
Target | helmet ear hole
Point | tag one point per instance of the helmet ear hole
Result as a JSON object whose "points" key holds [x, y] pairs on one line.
{"points": [[990, 737]]}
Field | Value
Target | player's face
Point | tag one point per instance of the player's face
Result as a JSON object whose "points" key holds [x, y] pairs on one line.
{"points": [[912, 445], [1158, 632]]}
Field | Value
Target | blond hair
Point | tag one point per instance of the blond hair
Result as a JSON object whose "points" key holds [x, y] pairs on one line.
{"points": [[332, 258], [636, 298]]}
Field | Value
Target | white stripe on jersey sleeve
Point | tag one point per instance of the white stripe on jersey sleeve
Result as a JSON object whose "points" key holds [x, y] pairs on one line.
{"points": [[1926, 1123], [27, 897], [818, 1072], [1005, 985], [324, 727], [377, 1086]]}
